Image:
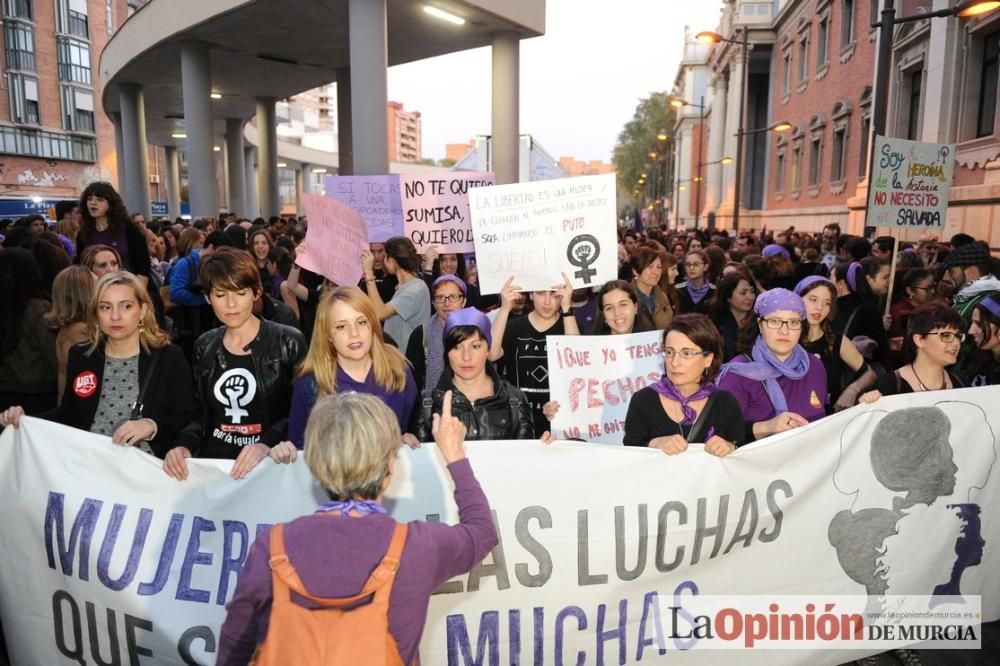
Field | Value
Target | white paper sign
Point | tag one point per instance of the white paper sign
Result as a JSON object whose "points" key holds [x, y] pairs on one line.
{"points": [[593, 377], [537, 231], [910, 184]]}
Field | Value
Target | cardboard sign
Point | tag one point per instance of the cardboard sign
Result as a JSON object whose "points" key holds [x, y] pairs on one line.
{"points": [[593, 377], [436, 210], [535, 232], [334, 241], [375, 198], [911, 182]]}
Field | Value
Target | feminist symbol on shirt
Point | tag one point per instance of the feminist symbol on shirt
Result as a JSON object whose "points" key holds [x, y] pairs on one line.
{"points": [[583, 250], [239, 387]]}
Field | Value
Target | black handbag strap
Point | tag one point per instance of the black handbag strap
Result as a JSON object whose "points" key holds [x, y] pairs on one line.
{"points": [[137, 407]]}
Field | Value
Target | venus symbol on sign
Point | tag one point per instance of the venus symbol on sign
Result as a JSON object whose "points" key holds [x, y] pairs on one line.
{"points": [[583, 251]]}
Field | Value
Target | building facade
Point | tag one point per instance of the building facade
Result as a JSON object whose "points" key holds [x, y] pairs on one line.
{"points": [[575, 167], [694, 105], [54, 138], [811, 64], [404, 134]]}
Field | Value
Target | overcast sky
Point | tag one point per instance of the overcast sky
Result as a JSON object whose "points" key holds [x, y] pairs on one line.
{"points": [[580, 82]]}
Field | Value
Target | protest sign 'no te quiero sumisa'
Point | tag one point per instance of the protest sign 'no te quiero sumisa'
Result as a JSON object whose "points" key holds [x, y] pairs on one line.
{"points": [[537, 231]]}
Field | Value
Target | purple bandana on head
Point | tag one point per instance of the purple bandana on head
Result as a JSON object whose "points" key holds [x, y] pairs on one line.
{"points": [[470, 317], [852, 275], [775, 250], [991, 305], [774, 300], [805, 283], [765, 366], [450, 278]]}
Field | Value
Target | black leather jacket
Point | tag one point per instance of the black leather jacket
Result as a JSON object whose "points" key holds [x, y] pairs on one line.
{"points": [[504, 415], [277, 352]]}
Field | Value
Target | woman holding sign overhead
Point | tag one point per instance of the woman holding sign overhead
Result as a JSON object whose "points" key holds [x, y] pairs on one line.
{"points": [[523, 342], [686, 405], [410, 305]]}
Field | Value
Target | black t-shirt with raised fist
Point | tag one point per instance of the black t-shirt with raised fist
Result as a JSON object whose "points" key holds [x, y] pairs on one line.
{"points": [[239, 410]]}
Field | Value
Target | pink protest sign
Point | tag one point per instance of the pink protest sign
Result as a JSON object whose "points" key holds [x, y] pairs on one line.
{"points": [[336, 237], [436, 209]]}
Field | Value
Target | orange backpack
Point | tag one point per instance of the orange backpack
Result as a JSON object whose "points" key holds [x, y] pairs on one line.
{"points": [[336, 632]]}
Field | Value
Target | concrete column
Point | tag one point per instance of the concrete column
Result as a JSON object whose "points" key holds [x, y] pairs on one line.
{"points": [[196, 88], [345, 143], [250, 170], [267, 157], [506, 106], [369, 60], [943, 65], [134, 149], [307, 178], [716, 143], [173, 182], [299, 189], [728, 187], [687, 172], [236, 167], [116, 119]]}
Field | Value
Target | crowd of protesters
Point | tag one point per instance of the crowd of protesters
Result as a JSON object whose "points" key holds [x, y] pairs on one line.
{"points": [[206, 339]]}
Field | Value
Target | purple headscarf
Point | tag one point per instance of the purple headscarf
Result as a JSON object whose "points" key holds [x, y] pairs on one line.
{"points": [[764, 366], [451, 278], [470, 317], [852, 275], [774, 250]]}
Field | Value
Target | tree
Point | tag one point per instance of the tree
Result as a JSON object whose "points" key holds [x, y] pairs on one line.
{"points": [[635, 143]]}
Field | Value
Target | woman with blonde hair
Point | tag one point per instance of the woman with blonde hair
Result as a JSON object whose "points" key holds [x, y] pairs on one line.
{"points": [[71, 293], [348, 353], [126, 381]]}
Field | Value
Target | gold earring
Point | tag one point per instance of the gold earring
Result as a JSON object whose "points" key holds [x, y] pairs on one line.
{"points": [[142, 327]]}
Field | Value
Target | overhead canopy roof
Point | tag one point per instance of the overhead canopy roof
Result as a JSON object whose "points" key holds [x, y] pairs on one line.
{"points": [[277, 48]]}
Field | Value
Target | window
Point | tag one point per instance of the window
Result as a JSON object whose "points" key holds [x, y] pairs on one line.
{"points": [[822, 41], [133, 7], [37, 143], [796, 168], [815, 153], [17, 9], [803, 60], [71, 18], [20, 45], [839, 152], [786, 79], [846, 23], [866, 130], [875, 14], [74, 60], [779, 174], [109, 17], [78, 109], [986, 110], [24, 99], [913, 110]]}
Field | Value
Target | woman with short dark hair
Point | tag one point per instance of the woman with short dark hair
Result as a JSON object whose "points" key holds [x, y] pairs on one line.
{"points": [[696, 290], [686, 405], [647, 267], [934, 335]]}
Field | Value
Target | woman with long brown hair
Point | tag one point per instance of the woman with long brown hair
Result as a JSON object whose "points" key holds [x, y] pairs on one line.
{"points": [[71, 294]]}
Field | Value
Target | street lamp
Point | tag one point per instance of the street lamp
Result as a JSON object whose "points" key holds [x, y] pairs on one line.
{"points": [[967, 9], [678, 103]]}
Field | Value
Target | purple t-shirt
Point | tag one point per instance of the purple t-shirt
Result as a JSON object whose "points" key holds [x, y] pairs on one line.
{"points": [[433, 553], [304, 393], [112, 238], [805, 397]]}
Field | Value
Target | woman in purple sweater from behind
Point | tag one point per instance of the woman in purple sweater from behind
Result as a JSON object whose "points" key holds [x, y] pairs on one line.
{"points": [[351, 444]]}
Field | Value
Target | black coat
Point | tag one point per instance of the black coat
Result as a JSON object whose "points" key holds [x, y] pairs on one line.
{"points": [[504, 415], [277, 352], [168, 401]]}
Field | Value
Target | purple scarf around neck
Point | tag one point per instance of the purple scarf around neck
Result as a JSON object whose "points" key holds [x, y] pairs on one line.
{"points": [[766, 367], [364, 507], [698, 293], [666, 388]]}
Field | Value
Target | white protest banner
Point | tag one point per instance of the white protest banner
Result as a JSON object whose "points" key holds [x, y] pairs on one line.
{"points": [[537, 231], [334, 241], [607, 554], [593, 377], [377, 200], [911, 182], [436, 209]]}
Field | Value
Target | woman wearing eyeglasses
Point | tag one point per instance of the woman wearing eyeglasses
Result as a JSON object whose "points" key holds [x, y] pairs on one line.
{"points": [[686, 405], [933, 338], [917, 287], [696, 291], [778, 384], [425, 350]]}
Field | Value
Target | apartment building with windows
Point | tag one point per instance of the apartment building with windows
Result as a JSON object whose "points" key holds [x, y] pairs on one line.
{"points": [[54, 139], [404, 134]]}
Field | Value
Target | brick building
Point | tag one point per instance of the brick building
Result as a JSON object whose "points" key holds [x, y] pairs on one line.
{"points": [[575, 167], [404, 134], [54, 138]]}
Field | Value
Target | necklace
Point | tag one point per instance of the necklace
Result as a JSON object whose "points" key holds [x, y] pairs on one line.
{"points": [[924, 387]]}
